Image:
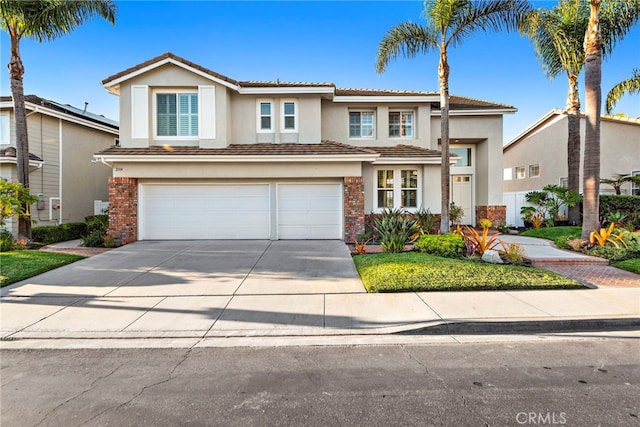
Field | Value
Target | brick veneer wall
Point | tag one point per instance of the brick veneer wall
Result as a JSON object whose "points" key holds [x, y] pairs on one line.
{"points": [[497, 214], [353, 207], [123, 210]]}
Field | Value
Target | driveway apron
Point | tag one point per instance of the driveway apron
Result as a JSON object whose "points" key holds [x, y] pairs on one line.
{"points": [[183, 288]]}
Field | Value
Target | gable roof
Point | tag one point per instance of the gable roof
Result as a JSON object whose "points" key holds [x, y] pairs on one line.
{"points": [[558, 114], [65, 111], [112, 84]]}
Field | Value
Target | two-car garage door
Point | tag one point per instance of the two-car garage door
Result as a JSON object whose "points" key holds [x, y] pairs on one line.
{"points": [[240, 211]]}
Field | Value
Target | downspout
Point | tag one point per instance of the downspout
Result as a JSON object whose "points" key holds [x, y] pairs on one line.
{"points": [[104, 162]]}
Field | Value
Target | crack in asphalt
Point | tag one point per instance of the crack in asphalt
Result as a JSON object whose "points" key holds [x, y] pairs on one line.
{"points": [[185, 356], [91, 387]]}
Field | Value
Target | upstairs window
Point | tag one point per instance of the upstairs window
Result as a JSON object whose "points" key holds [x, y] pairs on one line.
{"points": [[289, 116], [534, 171], [361, 124], [177, 114], [465, 156], [401, 124], [4, 129], [265, 116], [520, 172]]}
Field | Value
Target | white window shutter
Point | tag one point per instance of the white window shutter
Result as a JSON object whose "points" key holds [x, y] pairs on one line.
{"points": [[207, 112], [139, 112]]}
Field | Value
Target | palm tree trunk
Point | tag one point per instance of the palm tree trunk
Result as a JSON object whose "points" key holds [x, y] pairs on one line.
{"points": [[16, 71], [445, 175], [593, 99], [573, 145]]}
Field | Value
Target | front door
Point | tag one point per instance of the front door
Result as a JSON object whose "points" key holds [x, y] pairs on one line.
{"points": [[462, 195]]}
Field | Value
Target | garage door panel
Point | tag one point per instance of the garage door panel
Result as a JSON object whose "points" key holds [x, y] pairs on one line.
{"points": [[205, 211], [309, 211]]}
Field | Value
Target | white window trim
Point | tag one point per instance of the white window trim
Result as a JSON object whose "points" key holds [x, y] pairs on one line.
{"points": [[5, 136], [515, 172], [530, 174], [259, 116], [413, 124], [397, 187], [375, 125], [295, 116], [472, 158], [635, 186], [155, 94]]}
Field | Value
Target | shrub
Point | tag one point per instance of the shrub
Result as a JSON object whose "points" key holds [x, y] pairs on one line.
{"points": [[97, 222], [59, 233], [513, 253], [426, 220], [6, 240], [444, 245], [563, 242], [609, 252], [476, 242], [48, 234], [94, 240], [625, 205], [394, 229]]}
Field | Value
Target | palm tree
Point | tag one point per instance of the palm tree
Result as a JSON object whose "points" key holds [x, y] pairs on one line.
{"points": [[558, 38], [557, 35], [40, 20], [631, 85], [449, 22], [621, 16], [618, 181]]}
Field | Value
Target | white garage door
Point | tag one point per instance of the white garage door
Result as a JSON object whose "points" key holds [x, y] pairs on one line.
{"points": [[204, 211], [309, 211]]}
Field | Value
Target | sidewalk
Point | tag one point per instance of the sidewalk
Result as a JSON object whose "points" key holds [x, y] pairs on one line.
{"points": [[56, 311]]}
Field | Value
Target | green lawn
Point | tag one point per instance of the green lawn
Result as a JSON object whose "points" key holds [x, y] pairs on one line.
{"points": [[632, 265], [411, 271], [552, 233], [19, 265]]}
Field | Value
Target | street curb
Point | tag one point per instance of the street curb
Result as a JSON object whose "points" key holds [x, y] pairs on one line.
{"points": [[529, 326]]}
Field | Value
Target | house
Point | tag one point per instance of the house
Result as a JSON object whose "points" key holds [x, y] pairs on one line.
{"points": [[538, 157], [62, 140], [203, 156]]}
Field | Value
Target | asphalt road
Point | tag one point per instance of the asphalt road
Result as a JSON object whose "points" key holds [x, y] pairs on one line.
{"points": [[573, 383]]}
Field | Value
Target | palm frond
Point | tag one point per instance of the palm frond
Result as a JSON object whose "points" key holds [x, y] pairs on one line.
{"points": [[50, 19], [616, 20], [631, 85], [406, 40], [486, 15]]}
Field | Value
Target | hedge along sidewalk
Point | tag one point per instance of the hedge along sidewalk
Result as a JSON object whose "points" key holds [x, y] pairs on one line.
{"points": [[414, 272], [20, 265]]}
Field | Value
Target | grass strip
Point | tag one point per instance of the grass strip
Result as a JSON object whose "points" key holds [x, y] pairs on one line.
{"points": [[412, 272], [20, 265]]}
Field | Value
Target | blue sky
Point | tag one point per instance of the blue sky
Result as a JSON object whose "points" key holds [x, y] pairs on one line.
{"points": [[311, 41]]}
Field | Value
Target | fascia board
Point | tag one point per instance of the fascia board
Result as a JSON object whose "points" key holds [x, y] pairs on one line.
{"points": [[482, 112], [379, 99], [34, 163], [232, 159], [162, 62], [407, 161], [284, 90]]}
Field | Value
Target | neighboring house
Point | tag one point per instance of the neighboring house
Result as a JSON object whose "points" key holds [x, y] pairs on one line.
{"points": [[62, 140], [203, 156], [538, 157]]}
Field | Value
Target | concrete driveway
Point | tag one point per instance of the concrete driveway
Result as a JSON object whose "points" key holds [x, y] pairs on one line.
{"points": [[184, 286]]}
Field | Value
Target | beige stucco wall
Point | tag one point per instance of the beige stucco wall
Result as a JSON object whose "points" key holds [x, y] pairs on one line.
{"points": [[244, 122], [235, 171], [619, 154], [171, 77], [485, 132], [335, 123]]}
